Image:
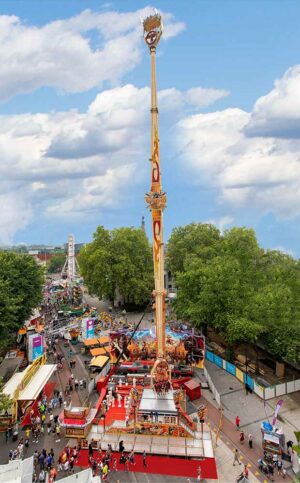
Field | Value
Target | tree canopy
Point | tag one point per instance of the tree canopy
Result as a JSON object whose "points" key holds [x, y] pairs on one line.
{"points": [[21, 282], [118, 261], [5, 401], [56, 263], [246, 293]]}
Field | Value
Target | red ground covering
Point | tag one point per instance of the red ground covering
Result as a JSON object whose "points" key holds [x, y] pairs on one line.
{"points": [[113, 414], [161, 465], [48, 390]]}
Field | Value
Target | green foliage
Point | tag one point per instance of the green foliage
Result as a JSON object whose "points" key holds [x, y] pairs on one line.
{"points": [[189, 241], [56, 263], [5, 401], [21, 283], [246, 293], [120, 261]]}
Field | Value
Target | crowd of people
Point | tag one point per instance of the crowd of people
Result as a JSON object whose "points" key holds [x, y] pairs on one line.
{"points": [[102, 462]]}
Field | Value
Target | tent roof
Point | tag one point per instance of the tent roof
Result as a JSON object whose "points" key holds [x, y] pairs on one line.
{"points": [[104, 339], [99, 361], [88, 342], [99, 351], [12, 384], [37, 383]]}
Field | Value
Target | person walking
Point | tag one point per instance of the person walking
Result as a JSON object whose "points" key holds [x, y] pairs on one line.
{"points": [[145, 459], [42, 476], [199, 474], [131, 457], [236, 457], [237, 422], [250, 441], [242, 437], [279, 467], [57, 431]]}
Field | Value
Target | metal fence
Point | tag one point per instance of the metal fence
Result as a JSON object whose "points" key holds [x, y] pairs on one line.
{"points": [[262, 392]]}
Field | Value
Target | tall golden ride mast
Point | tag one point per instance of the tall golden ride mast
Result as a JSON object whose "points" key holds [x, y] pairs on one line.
{"points": [[156, 200]]}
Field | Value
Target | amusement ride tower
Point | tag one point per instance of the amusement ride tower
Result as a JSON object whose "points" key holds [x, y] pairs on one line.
{"points": [[156, 200]]}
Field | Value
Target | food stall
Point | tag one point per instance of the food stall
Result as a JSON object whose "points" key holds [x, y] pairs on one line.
{"points": [[272, 439]]}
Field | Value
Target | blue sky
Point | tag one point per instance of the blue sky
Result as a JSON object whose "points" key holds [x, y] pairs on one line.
{"points": [[74, 95]]}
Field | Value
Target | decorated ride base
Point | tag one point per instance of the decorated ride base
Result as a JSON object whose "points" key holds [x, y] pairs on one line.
{"points": [[151, 422], [76, 421]]}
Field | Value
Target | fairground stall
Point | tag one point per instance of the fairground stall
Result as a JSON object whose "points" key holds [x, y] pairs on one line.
{"points": [[25, 389], [77, 421]]}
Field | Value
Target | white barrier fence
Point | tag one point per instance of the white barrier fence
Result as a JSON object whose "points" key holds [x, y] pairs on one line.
{"points": [[261, 391], [278, 389], [212, 387]]}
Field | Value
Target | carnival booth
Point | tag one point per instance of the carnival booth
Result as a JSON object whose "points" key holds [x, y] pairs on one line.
{"points": [[24, 389], [193, 389], [273, 439], [77, 421]]}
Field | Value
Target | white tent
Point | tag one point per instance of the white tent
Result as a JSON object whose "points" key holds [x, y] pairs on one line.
{"points": [[85, 476], [17, 471]]}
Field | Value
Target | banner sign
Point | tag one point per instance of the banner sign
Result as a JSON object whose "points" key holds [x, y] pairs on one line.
{"points": [[277, 409], [88, 329], [35, 347]]}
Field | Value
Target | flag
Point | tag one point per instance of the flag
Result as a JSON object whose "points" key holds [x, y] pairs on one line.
{"points": [[277, 409]]}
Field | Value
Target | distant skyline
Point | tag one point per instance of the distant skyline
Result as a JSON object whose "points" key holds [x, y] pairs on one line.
{"points": [[75, 122]]}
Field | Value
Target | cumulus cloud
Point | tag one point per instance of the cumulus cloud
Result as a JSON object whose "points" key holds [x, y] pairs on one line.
{"points": [[16, 213], [222, 223], [246, 156], [71, 163], [278, 113], [74, 54]]}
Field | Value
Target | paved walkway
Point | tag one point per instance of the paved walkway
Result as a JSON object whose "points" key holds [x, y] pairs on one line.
{"points": [[251, 411]]}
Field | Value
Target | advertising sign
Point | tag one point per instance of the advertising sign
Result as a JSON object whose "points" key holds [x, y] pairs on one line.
{"points": [[35, 346], [88, 329]]}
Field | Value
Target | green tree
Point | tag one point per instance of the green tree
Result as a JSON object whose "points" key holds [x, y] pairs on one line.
{"points": [[193, 240], [56, 263], [245, 293], [5, 401], [21, 282], [118, 261]]}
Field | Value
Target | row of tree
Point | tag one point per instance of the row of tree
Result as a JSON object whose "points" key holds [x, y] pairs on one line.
{"points": [[227, 281], [21, 282], [117, 265], [224, 280]]}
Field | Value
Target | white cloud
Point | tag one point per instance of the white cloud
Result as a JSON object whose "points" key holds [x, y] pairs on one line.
{"points": [[278, 113], [222, 222], [16, 213], [74, 54], [203, 97], [256, 172], [68, 164]]}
